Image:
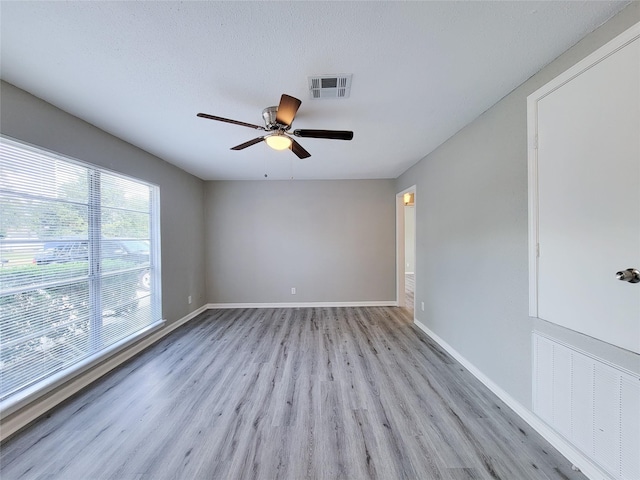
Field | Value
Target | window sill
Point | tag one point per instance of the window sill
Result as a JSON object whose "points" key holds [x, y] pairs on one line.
{"points": [[29, 395]]}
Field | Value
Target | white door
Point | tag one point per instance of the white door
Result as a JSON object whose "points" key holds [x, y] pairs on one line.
{"points": [[588, 196]]}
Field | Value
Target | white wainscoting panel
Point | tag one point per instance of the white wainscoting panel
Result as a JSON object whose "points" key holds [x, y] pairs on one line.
{"points": [[629, 425], [593, 404]]}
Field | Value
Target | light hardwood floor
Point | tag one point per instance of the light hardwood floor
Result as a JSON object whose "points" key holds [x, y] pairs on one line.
{"points": [[314, 393]]}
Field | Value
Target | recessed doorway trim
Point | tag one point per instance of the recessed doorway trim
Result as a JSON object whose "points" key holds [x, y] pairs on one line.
{"points": [[400, 242]]}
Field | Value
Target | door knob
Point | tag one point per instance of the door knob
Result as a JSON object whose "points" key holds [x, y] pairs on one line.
{"points": [[631, 275]]}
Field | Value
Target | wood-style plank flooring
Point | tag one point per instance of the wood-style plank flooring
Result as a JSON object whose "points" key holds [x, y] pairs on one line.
{"points": [[313, 393]]}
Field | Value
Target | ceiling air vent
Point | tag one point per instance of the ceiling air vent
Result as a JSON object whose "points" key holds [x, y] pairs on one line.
{"points": [[330, 86]]}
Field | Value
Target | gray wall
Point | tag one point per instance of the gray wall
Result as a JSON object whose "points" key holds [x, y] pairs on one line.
{"points": [[32, 120], [471, 262], [334, 241]]}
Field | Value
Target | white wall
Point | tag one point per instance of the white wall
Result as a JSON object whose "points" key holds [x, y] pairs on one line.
{"points": [[333, 240], [471, 247]]}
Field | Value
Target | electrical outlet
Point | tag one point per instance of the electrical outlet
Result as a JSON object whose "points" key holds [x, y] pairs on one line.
{"points": [[422, 306], [293, 290], [189, 299]]}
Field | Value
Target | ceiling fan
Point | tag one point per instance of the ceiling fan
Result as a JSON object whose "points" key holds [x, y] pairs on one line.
{"points": [[278, 122]]}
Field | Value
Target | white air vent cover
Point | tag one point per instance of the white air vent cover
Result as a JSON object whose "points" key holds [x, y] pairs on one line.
{"points": [[330, 86]]}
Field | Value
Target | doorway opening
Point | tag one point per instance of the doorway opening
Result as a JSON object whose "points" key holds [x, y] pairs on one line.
{"points": [[405, 248]]}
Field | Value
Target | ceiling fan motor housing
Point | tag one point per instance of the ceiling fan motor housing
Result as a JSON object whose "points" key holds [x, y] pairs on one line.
{"points": [[269, 116]]}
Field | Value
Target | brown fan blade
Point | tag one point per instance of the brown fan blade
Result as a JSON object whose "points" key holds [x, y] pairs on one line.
{"points": [[287, 109], [298, 150], [331, 134], [227, 120], [248, 144]]}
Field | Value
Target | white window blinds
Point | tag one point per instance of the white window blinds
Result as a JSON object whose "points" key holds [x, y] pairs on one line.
{"points": [[79, 270]]}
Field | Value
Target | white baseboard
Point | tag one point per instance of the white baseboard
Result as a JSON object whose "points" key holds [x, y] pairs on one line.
{"points": [[389, 303], [40, 405], [577, 458]]}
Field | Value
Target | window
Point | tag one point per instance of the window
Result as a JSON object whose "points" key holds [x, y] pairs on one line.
{"points": [[79, 265]]}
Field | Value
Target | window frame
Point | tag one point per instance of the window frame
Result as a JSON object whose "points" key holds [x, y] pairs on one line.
{"points": [[30, 393]]}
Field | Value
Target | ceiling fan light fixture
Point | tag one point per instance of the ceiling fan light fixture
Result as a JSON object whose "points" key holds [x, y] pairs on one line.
{"points": [[278, 142]]}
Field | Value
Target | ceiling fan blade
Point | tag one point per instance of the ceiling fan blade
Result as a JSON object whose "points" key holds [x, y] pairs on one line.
{"points": [[298, 150], [331, 134], [227, 120], [247, 144], [287, 109]]}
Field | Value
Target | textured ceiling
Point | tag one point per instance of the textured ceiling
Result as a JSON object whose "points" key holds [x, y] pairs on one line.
{"points": [[421, 71]]}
